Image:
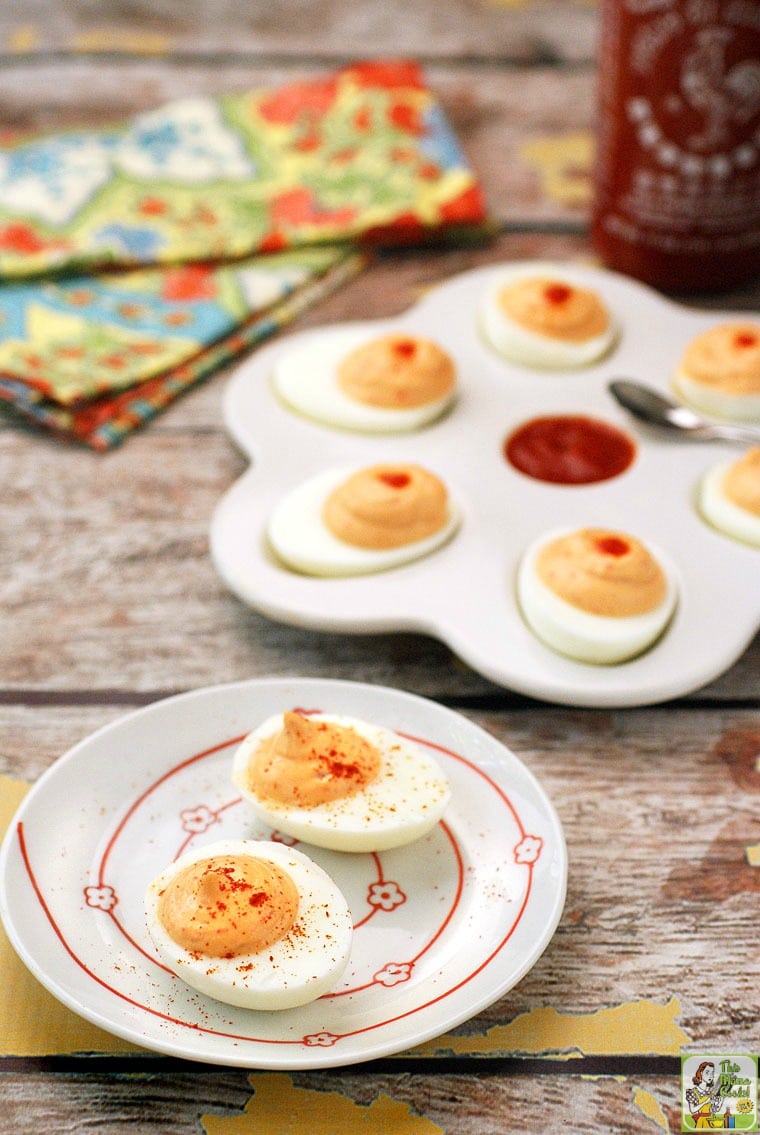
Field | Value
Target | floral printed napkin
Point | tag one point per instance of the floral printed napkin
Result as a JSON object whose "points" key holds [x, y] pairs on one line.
{"points": [[135, 261]]}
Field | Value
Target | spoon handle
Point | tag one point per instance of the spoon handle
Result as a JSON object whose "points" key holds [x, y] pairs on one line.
{"points": [[729, 432]]}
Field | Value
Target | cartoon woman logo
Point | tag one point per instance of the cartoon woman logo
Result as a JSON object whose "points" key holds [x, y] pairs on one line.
{"points": [[705, 1101]]}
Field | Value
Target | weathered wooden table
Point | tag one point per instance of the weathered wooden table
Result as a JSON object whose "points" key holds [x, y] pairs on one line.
{"points": [[110, 601]]}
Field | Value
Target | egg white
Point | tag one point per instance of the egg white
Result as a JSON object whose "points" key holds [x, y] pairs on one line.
{"points": [[520, 345], [723, 513], [403, 803], [301, 539], [306, 379], [302, 966], [582, 635], [716, 403]]}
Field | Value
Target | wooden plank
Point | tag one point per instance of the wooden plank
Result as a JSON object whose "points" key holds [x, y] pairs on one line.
{"points": [[138, 605], [236, 1103], [494, 30], [659, 808]]}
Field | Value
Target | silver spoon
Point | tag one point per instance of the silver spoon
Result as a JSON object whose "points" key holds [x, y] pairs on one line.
{"points": [[651, 406]]}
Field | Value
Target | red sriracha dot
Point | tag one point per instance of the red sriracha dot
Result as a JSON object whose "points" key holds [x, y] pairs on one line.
{"points": [[612, 546], [395, 480], [745, 339], [405, 348], [557, 293]]}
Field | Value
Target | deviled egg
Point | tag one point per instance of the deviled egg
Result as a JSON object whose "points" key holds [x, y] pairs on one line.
{"points": [[338, 782], [595, 595], [342, 522], [719, 372], [385, 384], [251, 923], [729, 497], [540, 316]]}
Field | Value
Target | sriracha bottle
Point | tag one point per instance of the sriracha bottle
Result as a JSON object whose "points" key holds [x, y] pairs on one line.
{"points": [[677, 177]]}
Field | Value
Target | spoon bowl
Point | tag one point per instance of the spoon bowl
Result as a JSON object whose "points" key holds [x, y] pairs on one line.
{"points": [[649, 405]]}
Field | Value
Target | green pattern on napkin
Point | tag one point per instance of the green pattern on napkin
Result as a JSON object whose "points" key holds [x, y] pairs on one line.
{"points": [[134, 256]]}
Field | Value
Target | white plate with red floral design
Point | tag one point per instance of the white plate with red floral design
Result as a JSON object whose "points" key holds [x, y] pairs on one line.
{"points": [[443, 927]]}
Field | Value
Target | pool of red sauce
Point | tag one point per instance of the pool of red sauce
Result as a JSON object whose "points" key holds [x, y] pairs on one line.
{"points": [[569, 449]]}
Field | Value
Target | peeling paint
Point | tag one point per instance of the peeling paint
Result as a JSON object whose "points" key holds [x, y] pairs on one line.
{"points": [[132, 42], [563, 165], [641, 1027], [23, 39], [12, 792], [648, 1106], [277, 1105]]}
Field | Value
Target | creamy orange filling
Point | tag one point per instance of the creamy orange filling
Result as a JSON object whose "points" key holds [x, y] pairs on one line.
{"points": [[554, 309], [602, 572], [311, 762], [741, 483], [229, 905], [725, 358], [397, 372], [387, 506]]}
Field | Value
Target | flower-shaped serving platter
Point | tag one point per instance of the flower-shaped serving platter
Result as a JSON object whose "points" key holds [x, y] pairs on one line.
{"points": [[442, 927], [464, 593]]}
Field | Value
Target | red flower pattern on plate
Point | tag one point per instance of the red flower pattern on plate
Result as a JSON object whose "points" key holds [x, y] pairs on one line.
{"points": [[321, 1040], [528, 849], [394, 973], [385, 895], [101, 898], [198, 819]]}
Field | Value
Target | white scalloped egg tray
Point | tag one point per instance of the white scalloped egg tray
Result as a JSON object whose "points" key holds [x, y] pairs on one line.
{"points": [[464, 593]]}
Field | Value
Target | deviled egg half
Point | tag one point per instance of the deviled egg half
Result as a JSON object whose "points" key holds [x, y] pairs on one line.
{"points": [[595, 595], [719, 372], [729, 497], [338, 782], [540, 316], [250, 922], [345, 522], [385, 384]]}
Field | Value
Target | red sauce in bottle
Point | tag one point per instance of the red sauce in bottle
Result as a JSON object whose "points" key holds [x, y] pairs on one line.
{"points": [[569, 450], [677, 178]]}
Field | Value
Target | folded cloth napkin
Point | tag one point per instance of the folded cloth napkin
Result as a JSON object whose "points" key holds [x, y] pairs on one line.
{"points": [[135, 261]]}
